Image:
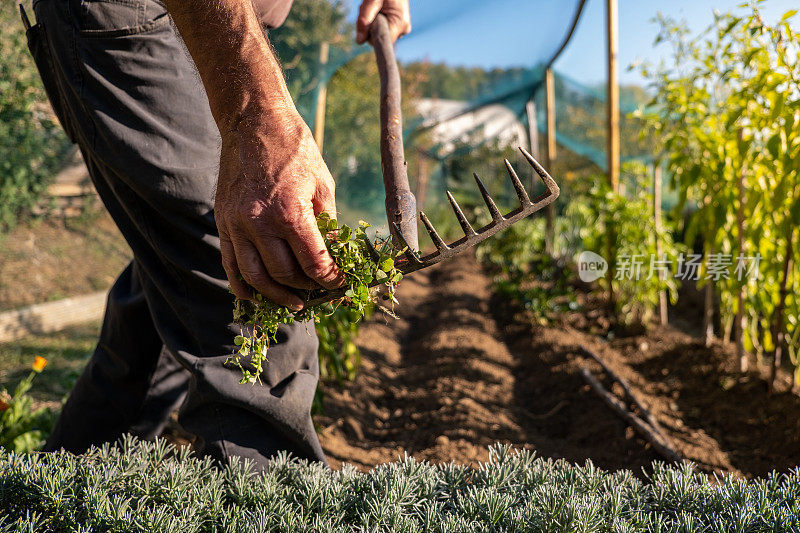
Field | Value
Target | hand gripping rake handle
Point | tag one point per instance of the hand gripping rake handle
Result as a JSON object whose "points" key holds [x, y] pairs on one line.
{"points": [[401, 206]]}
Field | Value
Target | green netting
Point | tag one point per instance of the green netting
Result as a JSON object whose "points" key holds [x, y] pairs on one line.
{"points": [[469, 70]]}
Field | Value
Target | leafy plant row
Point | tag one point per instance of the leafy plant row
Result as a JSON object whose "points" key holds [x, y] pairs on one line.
{"points": [[150, 487], [727, 116], [724, 123]]}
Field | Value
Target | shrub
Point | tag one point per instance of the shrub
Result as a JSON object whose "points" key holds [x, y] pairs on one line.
{"points": [[32, 145], [148, 487]]}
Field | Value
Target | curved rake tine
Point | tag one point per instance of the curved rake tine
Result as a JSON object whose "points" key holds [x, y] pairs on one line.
{"points": [[522, 194], [551, 185], [437, 240], [497, 216], [409, 253], [462, 220]]}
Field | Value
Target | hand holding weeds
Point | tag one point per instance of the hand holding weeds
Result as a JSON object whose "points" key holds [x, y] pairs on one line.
{"points": [[273, 182]]}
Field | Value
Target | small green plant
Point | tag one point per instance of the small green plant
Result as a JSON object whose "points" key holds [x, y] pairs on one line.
{"points": [[514, 249], [339, 356], [23, 429], [350, 250], [545, 302], [525, 274], [628, 218]]}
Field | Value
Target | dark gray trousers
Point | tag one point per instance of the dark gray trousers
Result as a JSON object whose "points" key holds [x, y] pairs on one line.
{"points": [[126, 92]]}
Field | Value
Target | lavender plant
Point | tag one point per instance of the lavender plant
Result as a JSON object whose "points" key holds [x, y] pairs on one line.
{"points": [[153, 487]]}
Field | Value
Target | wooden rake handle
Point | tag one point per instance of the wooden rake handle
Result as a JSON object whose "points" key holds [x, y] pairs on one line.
{"points": [[401, 206]]}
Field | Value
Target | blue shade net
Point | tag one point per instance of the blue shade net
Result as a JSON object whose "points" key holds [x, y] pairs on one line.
{"points": [[470, 71]]}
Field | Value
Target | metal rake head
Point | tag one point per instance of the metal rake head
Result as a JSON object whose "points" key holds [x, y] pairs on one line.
{"points": [[411, 260]]}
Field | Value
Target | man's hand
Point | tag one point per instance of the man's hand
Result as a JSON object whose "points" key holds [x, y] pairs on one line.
{"points": [[272, 184], [272, 179], [396, 11]]}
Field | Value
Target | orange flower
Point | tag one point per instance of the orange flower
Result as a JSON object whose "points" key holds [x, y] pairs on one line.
{"points": [[3, 406], [39, 363]]}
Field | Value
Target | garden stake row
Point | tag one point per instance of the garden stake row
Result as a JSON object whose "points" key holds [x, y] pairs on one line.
{"points": [[400, 201]]}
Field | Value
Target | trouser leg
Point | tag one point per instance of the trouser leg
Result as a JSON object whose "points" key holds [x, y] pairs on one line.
{"points": [[165, 394], [130, 384], [139, 113]]}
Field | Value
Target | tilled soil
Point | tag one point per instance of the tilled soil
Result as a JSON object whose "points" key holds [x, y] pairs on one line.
{"points": [[462, 369], [442, 383]]}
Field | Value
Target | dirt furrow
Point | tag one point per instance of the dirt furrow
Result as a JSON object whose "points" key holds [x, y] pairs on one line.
{"points": [[441, 383]]}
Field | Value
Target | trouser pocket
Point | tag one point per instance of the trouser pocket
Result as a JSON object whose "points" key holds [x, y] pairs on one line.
{"points": [[40, 50]]}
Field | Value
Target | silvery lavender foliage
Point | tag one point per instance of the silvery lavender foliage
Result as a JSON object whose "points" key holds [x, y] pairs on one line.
{"points": [[139, 486]]}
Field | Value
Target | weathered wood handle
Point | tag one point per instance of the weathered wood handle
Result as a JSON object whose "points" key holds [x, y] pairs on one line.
{"points": [[401, 206]]}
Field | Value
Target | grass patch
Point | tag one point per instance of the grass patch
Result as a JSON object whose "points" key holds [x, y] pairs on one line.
{"points": [[66, 352]]}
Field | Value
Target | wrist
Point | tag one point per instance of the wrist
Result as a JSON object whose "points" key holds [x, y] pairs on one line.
{"points": [[251, 100], [271, 135]]}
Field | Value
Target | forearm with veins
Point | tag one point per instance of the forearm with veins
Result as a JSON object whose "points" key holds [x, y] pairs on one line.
{"points": [[240, 73]]}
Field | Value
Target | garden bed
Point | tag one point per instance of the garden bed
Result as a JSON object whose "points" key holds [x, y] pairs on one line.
{"points": [[464, 368]]}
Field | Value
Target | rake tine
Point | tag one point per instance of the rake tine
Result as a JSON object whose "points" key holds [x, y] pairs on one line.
{"points": [[437, 240], [522, 194], [548, 181], [462, 220], [409, 253], [497, 216], [373, 253]]}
